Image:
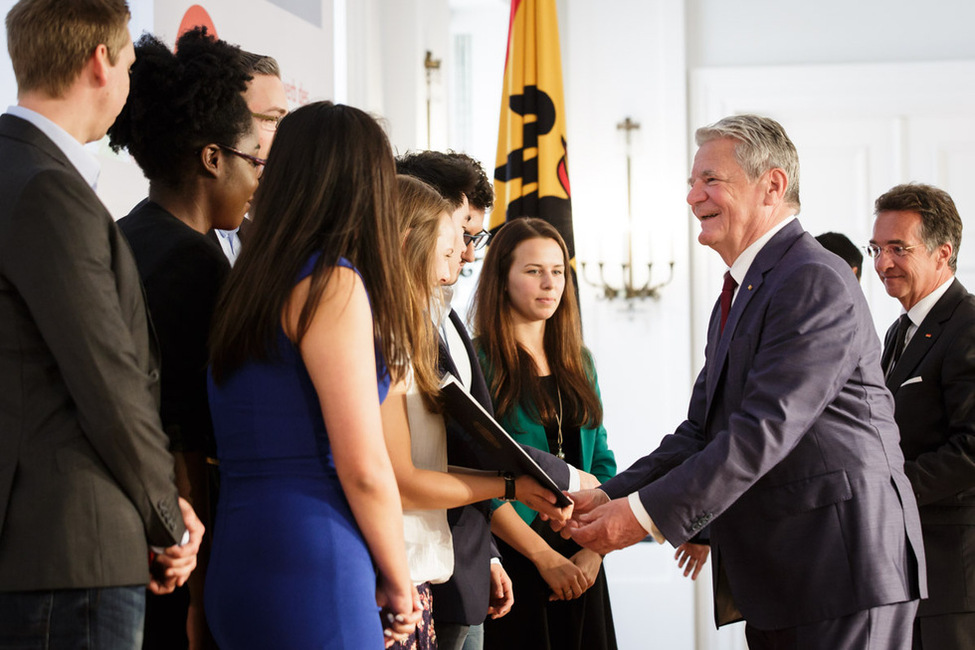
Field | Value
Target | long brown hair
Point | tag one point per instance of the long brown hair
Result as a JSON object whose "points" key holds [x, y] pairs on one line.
{"points": [[512, 375], [329, 187], [420, 211]]}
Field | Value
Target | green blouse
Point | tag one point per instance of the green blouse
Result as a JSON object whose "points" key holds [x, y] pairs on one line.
{"points": [[597, 457]]}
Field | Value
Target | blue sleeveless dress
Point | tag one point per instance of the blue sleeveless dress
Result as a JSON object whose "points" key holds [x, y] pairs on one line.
{"points": [[289, 567]]}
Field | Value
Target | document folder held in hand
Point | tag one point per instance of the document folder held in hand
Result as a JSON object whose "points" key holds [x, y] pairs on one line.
{"points": [[493, 444]]}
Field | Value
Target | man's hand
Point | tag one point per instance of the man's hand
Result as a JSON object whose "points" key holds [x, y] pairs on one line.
{"points": [[172, 568], [582, 501], [502, 595], [541, 500], [607, 527], [695, 555]]}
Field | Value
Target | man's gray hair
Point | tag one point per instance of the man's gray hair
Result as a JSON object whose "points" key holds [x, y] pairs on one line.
{"points": [[762, 145], [261, 64]]}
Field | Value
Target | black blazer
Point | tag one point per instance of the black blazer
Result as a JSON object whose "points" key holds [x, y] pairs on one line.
{"points": [[85, 476], [933, 385], [464, 599], [182, 272]]}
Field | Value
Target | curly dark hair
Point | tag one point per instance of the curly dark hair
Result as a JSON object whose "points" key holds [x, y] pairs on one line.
{"points": [[454, 177], [180, 102], [481, 195]]}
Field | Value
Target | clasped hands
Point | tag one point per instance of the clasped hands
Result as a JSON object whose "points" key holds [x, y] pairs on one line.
{"points": [[172, 568], [601, 524]]}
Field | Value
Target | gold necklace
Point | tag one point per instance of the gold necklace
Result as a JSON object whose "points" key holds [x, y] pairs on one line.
{"points": [[558, 422]]}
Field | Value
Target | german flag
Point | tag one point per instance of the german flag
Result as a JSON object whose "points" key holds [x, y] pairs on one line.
{"points": [[532, 175]]}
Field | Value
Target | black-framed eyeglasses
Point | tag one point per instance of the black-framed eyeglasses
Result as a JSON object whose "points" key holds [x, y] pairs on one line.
{"points": [[267, 122], [480, 240], [258, 163], [897, 250]]}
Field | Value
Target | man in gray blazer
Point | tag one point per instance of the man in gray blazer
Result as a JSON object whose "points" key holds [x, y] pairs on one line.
{"points": [[789, 450], [86, 480], [929, 360]]}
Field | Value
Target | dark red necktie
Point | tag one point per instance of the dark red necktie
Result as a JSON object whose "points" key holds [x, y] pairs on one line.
{"points": [[727, 293]]}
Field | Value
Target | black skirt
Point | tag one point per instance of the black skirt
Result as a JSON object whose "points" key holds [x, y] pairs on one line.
{"points": [[535, 623]]}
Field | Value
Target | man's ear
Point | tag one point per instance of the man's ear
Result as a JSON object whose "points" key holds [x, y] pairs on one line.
{"points": [[99, 64], [944, 252], [211, 160], [777, 184]]}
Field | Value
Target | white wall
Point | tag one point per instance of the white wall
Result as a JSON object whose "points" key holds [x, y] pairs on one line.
{"points": [[779, 32], [620, 58]]}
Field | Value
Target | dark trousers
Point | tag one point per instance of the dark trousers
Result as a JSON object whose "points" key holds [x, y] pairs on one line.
{"points": [[67, 619], [888, 627]]}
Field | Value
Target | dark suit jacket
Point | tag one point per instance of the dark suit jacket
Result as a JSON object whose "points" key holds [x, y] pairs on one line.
{"points": [[464, 599], [85, 476], [790, 451], [936, 416], [182, 272]]}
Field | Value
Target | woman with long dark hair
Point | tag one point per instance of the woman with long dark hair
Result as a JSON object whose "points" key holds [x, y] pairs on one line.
{"points": [[543, 385], [187, 125], [309, 332]]}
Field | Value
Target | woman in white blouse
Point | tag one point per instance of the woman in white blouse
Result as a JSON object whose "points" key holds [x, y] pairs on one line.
{"points": [[413, 423]]}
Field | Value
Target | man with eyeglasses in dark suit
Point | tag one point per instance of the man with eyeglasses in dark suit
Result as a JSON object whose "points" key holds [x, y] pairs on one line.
{"points": [[929, 365]]}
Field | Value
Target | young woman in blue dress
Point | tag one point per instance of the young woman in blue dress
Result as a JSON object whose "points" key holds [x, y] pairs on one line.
{"points": [[310, 330]]}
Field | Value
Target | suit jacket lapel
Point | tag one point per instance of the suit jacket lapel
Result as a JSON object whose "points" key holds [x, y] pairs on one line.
{"points": [[924, 338], [888, 346], [446, 363], [479, 388], [766, 259], [20, 129]]}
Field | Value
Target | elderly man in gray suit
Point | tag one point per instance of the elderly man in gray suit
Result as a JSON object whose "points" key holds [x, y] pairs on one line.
{"points": [[86, 480], [789, 450]]}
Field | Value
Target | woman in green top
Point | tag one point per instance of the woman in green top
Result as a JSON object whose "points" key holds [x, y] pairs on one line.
{"points": [[543, 384]]}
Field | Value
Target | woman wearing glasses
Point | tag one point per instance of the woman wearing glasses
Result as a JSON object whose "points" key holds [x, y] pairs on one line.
{"points": [[187, 126], [543, 385]]}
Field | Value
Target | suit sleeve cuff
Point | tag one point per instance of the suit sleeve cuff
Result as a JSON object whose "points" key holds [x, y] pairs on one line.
{"points": [[158, 550], [644, 518], [574, 480]]}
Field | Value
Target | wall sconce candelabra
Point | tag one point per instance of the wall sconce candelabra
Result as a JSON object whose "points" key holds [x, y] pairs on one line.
{"points": [[630, 288]]}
